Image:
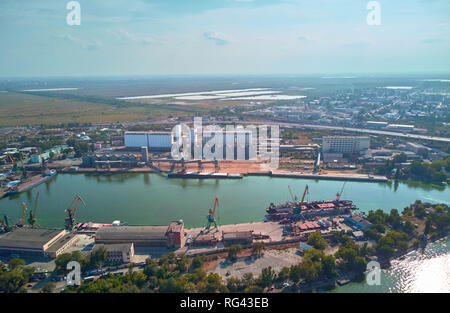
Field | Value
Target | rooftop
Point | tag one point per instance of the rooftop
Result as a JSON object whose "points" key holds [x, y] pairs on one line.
{"points": [[26, 237], [123, 247], [134, 232], [237, 234], [58, 244]]}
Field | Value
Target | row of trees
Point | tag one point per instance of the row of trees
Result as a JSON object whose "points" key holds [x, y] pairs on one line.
{"points": [[95, 260], [80, 147], [14, 275], [421, 171]]}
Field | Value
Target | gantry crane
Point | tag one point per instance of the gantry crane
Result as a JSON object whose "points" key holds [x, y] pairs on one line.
{"points": [[211, 217], [339, 194], [71, 211], [32, 216]]}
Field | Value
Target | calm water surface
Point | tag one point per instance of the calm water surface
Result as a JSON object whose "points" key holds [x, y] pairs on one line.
{"points": [[420, 271], [145, 199]]}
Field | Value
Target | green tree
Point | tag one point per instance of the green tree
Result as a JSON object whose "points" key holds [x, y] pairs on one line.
{"points": [[16, 263], [316, 240], [233, 251], [295, 273], [267, 276], [258, 248]]}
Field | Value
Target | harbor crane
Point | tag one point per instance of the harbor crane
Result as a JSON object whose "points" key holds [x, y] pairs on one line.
{"points": [[5, 224], [71, 211], [211, 217], [24, 208], [32, 215], [298, 208], [339, 194], [294, 199]]}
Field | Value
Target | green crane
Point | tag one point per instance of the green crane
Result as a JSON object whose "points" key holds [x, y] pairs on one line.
{"points": [[32, 215]]}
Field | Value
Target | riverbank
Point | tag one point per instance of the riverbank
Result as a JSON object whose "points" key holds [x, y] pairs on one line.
{"points": [[233, 174]]}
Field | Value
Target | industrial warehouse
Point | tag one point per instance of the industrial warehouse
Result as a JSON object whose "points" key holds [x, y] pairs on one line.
{"points": [[36, 242], [231, 142], [142, 236]]}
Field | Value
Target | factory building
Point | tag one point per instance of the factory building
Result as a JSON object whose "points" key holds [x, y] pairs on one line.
{"points": [[345, 144], [376, 124], [417, 148], [142, 236], [400, 127], [175, 234], [243, 238], [39, 242], [157, 141], [110, 160], [61, 245], [118, 253], [237, 142]]}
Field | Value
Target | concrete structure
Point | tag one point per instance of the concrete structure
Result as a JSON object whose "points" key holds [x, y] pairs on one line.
{"points": [[357, 221], [143, 236], [417, 148], [302, 247], [110, 160], [400, 127], [28, 241], [376, 124], [61, 245], [358, 235], [144, 153], [345, 144], [152, 140], [205, 240], [244, 238], [175, 234], [118, 253]]}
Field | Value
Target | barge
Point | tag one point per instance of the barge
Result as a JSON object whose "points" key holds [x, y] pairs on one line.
{"points": [[18, 188]]}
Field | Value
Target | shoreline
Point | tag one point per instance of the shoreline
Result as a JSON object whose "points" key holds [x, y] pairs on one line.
{"points": [[228, 175]]}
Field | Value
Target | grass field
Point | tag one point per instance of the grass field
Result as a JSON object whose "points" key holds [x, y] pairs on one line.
{"points": [[17, 109]]}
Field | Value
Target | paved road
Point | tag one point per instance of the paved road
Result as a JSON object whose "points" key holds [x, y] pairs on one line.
{"points": [[350, 129]]}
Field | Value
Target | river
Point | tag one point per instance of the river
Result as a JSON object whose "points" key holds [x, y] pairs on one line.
{"points": [[425, 271], [152, 199]]}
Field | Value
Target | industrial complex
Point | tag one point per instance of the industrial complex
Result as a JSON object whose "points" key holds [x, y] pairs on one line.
{"points": [[288, 222]]}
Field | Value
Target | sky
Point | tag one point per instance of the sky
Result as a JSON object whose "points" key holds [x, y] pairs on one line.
{"points": [[222, 37]]}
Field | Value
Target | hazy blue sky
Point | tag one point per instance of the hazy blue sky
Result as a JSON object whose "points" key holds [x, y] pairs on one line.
{"points": [[147, 37]]}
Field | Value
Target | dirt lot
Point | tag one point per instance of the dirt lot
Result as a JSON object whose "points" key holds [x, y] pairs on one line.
{"points": [[276, 258], [232, 167]]}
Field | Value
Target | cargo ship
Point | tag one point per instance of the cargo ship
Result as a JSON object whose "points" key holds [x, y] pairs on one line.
{"points": [[294, 211], [18, 188], [290, 211]]}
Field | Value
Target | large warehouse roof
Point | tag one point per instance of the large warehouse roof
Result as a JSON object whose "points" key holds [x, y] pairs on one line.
{"points": [[131, 232], [29, 238]]}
